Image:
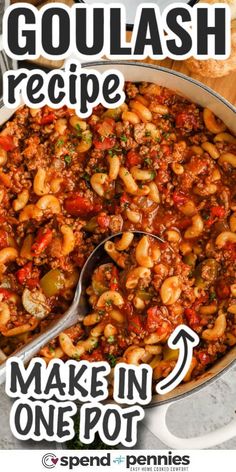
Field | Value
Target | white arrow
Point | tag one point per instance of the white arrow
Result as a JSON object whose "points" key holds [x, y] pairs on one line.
{"points": [[184, 339]]}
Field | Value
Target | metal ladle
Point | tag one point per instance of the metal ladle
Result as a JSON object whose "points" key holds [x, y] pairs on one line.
{"points": [[78, 309]]}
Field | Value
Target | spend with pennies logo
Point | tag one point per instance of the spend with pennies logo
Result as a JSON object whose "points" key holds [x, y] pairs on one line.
{"points": [[49, 460]]}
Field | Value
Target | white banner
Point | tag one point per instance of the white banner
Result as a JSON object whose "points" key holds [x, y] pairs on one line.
{"points": [[122, 460]]}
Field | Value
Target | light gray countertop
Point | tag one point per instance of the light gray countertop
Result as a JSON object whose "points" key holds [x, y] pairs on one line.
{"points": [[197, 414]]}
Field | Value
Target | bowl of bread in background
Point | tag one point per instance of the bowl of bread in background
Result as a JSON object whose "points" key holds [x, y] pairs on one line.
{"points": [[214, 68]]}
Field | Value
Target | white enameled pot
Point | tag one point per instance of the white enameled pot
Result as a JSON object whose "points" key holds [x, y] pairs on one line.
{"points": [[155, 417]]}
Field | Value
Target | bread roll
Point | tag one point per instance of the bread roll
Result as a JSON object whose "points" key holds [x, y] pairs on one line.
{"points": [[214, 67], [231, 3]]}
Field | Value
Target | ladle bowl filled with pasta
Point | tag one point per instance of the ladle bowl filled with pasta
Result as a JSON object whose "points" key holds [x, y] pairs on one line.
{"points": [[136, 298], [161, 164], [120, 292]]}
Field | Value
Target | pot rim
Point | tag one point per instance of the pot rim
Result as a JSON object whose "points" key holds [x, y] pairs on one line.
{"points": [[166, 70]]}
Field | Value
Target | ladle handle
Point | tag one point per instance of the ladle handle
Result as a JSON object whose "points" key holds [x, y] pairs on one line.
{"points": [[28, 351]]}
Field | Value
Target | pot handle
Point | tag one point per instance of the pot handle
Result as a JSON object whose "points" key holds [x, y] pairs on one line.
{"points": [[156, 423]]}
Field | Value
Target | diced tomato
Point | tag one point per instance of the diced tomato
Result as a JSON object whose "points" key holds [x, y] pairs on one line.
{"points": [[3, 239], [103, 220], [77, 205], [106, 128], [231, 248], [24, 276], [222, 289], [7, 143], [166, 149], [43, 239], [155, 322], [154, 319], [208, 223], [135, 324], [32, 283], [114, 282], [124, 198], [183, 223], [133, 158], [192, 317], [24, 273], [186, 120], [47, 119], [179, 198], [204, 358], [5, 293], [164, 329], [180, 119], [218, 211], [104, 144]]}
